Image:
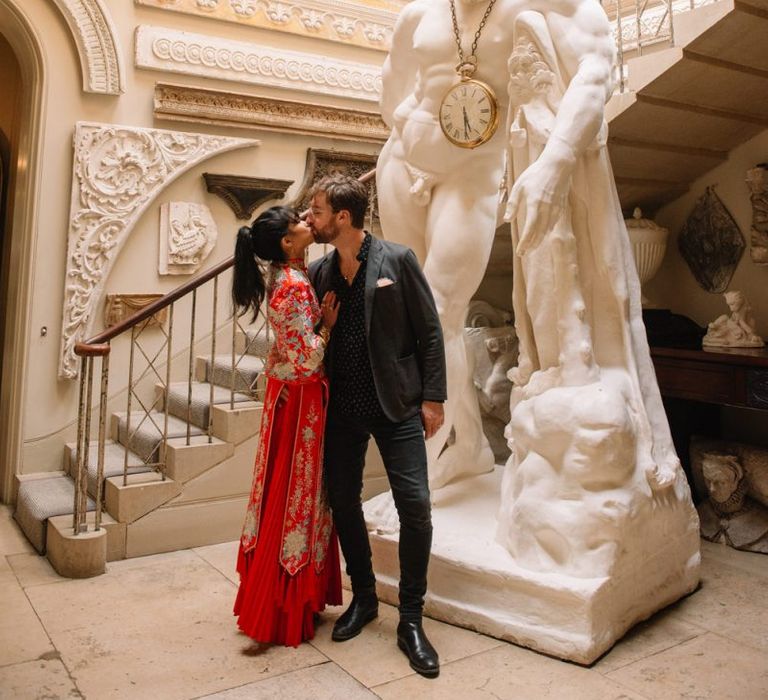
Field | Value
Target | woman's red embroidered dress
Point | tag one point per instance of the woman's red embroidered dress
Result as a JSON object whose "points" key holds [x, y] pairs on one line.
{"points": [[289, 559]]}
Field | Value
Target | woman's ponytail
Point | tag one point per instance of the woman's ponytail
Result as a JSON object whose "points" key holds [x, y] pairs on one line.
{"points": [[248, 286]]}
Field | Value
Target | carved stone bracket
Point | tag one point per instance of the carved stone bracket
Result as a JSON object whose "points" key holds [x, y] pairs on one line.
{"points": [[97, 45], [192, 104], [361, 24], [118, 171], [201, 55], [322, 162], [244, 194], [757, 181]]}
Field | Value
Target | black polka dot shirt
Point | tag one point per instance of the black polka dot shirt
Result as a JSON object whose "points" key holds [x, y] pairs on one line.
{"points": [[353, 391]]}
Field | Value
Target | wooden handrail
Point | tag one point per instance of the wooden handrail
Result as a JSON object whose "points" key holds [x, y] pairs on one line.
{"points": [[98, 344]]}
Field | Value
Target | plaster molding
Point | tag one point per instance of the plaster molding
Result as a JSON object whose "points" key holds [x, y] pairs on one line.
{"points": [[161, 48], [188, 234], [118, 307], [97, 45], [192, 104], [117, 173], [346, 21]]}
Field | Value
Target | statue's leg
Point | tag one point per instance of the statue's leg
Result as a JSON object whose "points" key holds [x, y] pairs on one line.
{"points": [[460, 231]]}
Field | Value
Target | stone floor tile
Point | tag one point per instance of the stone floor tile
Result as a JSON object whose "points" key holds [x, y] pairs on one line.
{"points": [[22, 636], [751, 562], [222, 557], [660, 632], [324, 682], [707, 667], [730, 602], [12, 539], [163, 629], [43, 679], [33, 570], [373, 657], [509, 673]]}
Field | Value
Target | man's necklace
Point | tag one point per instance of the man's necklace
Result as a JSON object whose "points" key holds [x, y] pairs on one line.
{"points": [[469, 111]]}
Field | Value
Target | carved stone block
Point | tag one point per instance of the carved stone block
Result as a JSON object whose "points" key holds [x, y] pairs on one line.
{"points": [[187, 236], [120, 306], [711, 243], [243, 194], [757, 180]]}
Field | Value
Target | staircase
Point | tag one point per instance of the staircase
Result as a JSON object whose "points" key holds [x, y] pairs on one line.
{"points": [[205, 479], [687, 106]]}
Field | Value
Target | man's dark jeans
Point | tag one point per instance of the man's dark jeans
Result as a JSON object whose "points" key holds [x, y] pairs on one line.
{"points": [[402, 449]]}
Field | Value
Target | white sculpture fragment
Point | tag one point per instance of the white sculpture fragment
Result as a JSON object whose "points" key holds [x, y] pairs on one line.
{"points": [[734, 330], [187, 235], [596, 529]]}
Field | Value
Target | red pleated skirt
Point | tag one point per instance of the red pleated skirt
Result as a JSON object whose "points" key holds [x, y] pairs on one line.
{"points": [[271, 605]]}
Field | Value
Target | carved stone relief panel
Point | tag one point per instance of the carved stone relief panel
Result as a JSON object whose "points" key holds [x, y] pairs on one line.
{"points": [[322, 162], [711, 243], [757, 180], [120, 306], [117, 173], [361, 24], [97, 45], [192, 104], [205, 56], [187, 236]]}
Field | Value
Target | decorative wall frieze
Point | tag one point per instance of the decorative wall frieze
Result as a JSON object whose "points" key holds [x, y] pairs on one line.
{"points": [[97, 45], [117, 173], [757, 181], [161, 48], [243, 194], [118, 307], [192, 104], [360, 24], [188, 234]]}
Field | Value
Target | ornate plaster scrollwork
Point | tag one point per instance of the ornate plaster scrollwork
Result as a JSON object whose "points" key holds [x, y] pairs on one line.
{"points": [[97, 45], [366, 24], [193, 104], [187, 236], [117, 173], [160, 48]]}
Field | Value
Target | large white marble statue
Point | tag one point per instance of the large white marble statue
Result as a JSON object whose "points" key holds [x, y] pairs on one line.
{"points": [[595, 518], [734, 330]]}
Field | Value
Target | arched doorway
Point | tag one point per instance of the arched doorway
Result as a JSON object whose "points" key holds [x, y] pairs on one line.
{"points": [[21, 74]]}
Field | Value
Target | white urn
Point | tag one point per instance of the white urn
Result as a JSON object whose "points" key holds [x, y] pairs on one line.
{"points": [[649, 243]]}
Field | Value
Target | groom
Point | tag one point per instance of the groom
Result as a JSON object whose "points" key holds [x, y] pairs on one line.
{"points": [[386, 364]]}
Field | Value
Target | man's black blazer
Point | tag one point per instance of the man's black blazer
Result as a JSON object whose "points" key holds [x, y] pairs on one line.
{"points": [[405, 340]]}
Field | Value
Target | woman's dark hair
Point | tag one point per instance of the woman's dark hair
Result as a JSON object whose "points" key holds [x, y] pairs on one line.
{"points": [[259, 240]]}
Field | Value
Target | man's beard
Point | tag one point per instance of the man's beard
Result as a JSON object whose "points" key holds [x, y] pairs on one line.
{"points": [[328, 235]]}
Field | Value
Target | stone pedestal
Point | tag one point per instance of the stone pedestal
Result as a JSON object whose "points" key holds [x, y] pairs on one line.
{"points": [[76, 556], [475, 583]]}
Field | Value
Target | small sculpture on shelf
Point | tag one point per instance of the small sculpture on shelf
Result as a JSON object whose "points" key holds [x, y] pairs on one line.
{"points": [[736, 330], [649, 243], [729, 515]]}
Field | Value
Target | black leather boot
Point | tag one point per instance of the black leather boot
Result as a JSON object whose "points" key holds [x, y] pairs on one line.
{"points": [[421, 654], [359, 613]]}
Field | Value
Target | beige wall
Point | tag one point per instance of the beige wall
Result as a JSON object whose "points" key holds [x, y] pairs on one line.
{"points": [[674, 285], [49, 413]]}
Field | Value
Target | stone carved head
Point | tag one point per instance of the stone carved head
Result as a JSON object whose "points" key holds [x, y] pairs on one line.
{"points": [[723, 474]]}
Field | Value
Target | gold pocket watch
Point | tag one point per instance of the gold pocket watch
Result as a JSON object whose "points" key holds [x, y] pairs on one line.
{"points": [[469, 113]]}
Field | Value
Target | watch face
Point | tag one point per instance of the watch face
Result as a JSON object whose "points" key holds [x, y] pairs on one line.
{"points": [[468, 113]]}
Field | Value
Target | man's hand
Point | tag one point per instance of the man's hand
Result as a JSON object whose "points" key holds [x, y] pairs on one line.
{"points": [[432, 416], [330, 309], [282, 397]]}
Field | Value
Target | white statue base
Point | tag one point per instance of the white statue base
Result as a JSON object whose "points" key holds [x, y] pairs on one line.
{"points": [[475, 583]]}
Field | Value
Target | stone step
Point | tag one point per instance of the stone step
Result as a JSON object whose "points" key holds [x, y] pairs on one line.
{"points": [[234, 425], [199, 409], [127, 502], [254, 342], [43, 496], [248, 373], [114, 461], [146, 432]]}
